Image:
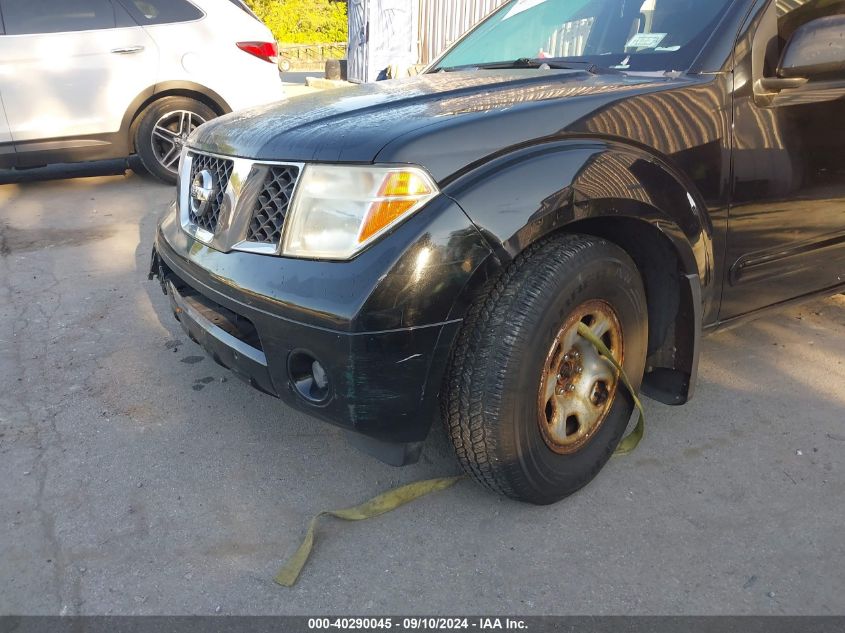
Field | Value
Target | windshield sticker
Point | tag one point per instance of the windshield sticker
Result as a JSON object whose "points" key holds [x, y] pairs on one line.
{"points": [[646, 40], [522, 5]]}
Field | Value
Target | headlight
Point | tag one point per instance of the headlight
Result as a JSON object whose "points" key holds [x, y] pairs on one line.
{"points": [[338, 210]]}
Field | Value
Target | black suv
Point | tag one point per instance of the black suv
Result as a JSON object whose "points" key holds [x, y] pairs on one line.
{"points": [[388, 254]]}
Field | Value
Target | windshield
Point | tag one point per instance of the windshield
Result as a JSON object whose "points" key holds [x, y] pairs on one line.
{"points": [[635, 35]]}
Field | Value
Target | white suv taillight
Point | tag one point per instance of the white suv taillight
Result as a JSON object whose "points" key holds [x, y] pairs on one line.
{"points": [[268, 51]]}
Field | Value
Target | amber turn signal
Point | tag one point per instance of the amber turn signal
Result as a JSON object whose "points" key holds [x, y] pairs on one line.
{"points": [[399, 194]]}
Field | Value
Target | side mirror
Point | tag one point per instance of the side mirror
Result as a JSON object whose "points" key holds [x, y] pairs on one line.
{"points": [[812, 67], [814, 50]]}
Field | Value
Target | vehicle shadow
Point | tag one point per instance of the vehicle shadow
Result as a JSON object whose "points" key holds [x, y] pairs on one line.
{"points": [[65, 171]]}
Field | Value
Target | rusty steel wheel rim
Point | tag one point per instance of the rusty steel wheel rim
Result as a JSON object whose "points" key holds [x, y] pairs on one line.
{"points": [[578, 386]]}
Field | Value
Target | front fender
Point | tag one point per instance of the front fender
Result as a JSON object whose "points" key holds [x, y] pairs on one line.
{"points": [[525, 195], [626, 194]]}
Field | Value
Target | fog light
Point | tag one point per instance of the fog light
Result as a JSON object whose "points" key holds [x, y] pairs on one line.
{"points": [[309, 377]]}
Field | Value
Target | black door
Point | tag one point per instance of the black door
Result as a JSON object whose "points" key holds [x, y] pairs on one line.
{"points": [[787, 222]]}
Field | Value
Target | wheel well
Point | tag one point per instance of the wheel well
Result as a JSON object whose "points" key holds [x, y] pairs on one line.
{"points": [[219, 109], [656, 260], [673, 296], [672, 339]]}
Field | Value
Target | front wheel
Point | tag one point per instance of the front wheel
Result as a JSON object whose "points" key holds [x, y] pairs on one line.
{"points": [[534, 412], [162, 130]]}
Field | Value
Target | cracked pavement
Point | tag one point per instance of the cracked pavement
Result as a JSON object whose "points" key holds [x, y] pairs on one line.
{"points": [[138, 477]]}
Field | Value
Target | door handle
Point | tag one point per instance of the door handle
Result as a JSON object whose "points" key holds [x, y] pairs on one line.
{"points": [[776, 84], [129, 50]]}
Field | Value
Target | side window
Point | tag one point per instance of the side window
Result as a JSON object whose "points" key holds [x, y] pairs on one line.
{"points": [[148, 12], [23, 17]]}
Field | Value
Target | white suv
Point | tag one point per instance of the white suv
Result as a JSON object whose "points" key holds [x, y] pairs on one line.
{"points": [[94, 79]]}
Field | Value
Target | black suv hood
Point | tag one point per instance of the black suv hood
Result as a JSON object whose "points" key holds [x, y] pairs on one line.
{"points": [[395, 121]]}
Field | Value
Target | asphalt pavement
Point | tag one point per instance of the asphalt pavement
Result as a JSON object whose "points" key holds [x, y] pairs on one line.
{"points": [[138, 477]]}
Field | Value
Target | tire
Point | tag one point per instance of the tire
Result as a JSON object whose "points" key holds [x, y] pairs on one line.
{"points": [[491, 402], [162, 129]]}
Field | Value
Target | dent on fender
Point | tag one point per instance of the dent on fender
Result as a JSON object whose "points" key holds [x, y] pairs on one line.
{"points": [[576, 180]]}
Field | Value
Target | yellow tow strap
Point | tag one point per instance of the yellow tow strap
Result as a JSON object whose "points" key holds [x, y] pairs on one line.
{"points": [[377, 506], [398, 497], [631, 442]]}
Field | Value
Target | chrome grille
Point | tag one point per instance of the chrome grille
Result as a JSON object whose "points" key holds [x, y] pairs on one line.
{"points": [[271, 207], [221, 171], [247, 205]]}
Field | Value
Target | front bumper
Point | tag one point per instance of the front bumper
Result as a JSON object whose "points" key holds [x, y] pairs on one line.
{"points": [[259, 316]]}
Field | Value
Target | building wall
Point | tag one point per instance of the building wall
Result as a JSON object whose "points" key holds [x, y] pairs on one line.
{"points": [[442, 22]]}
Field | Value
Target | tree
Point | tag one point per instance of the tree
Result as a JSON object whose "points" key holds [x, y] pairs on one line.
{"points": [[303, 21]]}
